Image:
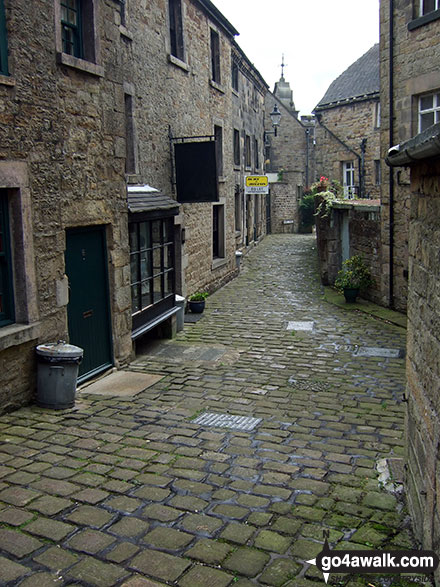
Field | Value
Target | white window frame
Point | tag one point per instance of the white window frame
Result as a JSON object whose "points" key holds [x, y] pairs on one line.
{"points": [[435, 109], [348, 172]]}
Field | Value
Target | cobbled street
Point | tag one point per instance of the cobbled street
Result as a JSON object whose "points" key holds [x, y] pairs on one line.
{"points": [[147, 490]]}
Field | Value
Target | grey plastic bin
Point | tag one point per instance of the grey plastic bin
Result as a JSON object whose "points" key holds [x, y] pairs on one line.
{"points": [[58, 364]]}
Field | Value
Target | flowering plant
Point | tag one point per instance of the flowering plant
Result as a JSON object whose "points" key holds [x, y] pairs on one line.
{"points": [[328, 191], [354, 274]]}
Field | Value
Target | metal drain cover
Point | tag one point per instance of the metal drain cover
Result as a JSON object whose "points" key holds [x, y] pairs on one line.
{"points": [[245, 423], [368, 351], [305, 326]]}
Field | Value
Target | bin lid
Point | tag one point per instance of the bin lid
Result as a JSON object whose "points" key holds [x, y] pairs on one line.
{"points": [[60, 349]]}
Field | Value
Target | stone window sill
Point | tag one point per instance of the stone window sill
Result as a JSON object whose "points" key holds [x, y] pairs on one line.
{"points": [[219, 262], [80, 64], [125, 32], [17, 334], [217, 86], [178, 62], [422, 20], [5, 80]]}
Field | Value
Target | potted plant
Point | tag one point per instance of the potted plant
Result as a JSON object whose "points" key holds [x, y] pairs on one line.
{"points": [[196, 302], [353, 277]]}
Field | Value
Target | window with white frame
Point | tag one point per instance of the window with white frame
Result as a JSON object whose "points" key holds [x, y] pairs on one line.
{"points": [[427, 6], [348, 179], [429, 110]]}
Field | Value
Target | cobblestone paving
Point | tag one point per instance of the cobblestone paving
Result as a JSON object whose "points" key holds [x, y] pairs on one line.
{"points": [[134, 492]]}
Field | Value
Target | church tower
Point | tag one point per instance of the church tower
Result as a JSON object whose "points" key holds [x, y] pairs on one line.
{"points": [[284, 94]]}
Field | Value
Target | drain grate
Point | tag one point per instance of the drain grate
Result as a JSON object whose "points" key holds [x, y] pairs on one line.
{"points": [[369, 351], [245, 423], [304, 326]]}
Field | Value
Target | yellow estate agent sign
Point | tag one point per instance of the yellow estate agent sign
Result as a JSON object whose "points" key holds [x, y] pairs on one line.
{"points": [[256, 184]]}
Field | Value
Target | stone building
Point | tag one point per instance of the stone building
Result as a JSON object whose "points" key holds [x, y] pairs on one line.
{"points": [[410, 45], [409, 84], [64, 256], [289, 159], [117, 174], [248, 98], [348, 129], [348, 151]]}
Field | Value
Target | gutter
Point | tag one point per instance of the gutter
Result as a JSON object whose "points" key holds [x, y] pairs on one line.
{"points": [[391, 139], [423, 146]]}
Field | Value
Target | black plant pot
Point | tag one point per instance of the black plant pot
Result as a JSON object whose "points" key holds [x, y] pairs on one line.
{"points": [[350, 294], [196, 307]]}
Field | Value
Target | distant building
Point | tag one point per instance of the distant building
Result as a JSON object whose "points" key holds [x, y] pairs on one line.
{"points": [[289, 158], [348, 129]]}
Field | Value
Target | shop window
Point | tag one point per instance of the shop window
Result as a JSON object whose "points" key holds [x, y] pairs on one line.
{"points": [[152, 265]]}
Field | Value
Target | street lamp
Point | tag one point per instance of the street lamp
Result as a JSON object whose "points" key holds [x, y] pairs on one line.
{"points": [[275, 117]]}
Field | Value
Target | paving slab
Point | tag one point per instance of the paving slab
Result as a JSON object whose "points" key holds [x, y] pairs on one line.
{"points": [[130, 488]]}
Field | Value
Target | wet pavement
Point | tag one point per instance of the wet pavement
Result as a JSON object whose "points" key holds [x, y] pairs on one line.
{"points": [[260, 427]]}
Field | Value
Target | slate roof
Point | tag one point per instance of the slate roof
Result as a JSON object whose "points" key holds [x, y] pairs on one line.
{"points": [[144, 198], [359, 81]]}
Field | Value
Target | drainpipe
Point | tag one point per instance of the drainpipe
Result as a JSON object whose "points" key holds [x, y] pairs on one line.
{"points": [[391, 137], [307, 156]]}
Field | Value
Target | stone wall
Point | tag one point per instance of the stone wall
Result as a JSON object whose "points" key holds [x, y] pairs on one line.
{"points": [[351, 123], [423, 351], [287, 157], [361, 224], [284, 207]]}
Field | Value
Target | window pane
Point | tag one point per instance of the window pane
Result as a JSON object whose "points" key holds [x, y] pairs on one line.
{"points": [[135, 299], [156, 232], [134, 267], [133, 236], [157, 260], [169, 283], [168, 257], [145, 265], [146, 293], [426, 102], [426, 120], [428, 6], [157, 293], [144, 236]]}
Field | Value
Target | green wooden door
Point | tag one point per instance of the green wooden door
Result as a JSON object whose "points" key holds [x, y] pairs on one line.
{"points": [[88, 311]]}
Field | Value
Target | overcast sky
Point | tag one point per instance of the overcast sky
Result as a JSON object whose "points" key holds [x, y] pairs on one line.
{"points": [[319, 39]]}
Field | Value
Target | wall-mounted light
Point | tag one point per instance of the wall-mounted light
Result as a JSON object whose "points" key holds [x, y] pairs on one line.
{"points": [[275, 117]]}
